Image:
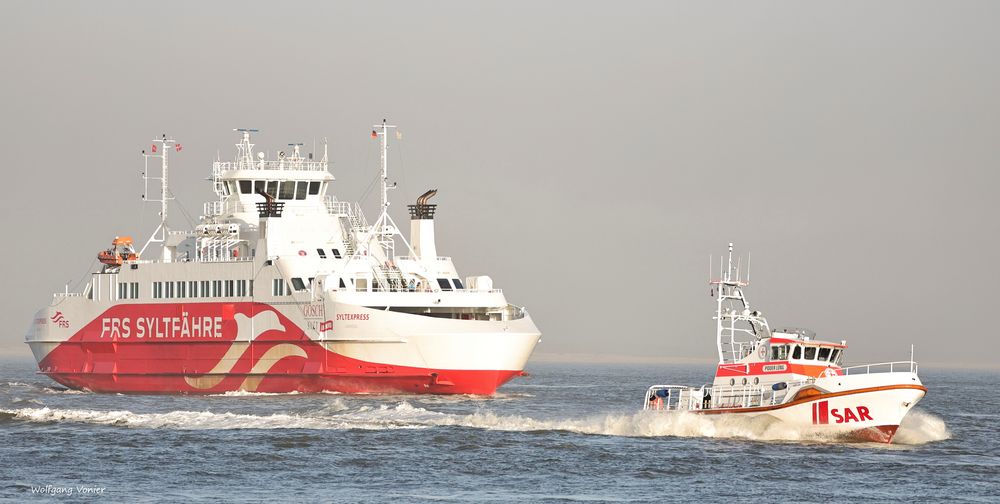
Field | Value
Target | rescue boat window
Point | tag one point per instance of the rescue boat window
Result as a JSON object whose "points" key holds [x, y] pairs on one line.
{"points": [[260, 186], [313, 188], [797, 352], [824, 353], [287, 190], [458, 283], [336, 253], [810, 353], [835, 357], [300, 190], [443, 282], [298, 284], [246, 186], [779, 352], [272, 188]]}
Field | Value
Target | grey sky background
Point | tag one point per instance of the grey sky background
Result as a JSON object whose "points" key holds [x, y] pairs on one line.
{"points": [[589, 156]]}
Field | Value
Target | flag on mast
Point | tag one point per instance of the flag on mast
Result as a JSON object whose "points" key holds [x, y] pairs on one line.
{"points": [[374, 134], [177, 147], [154, 147]]}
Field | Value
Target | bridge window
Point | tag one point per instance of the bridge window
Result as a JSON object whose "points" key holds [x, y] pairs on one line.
{"points": [[298, 284], [246, 186], [259, 186], [313, 188], [810, 353], [458, 283], [835, 356], [443, 283], [824, 353], [779, 352], [342, 285], [336, 253], [287, 190], [322, 253], [300, 190], [272, 188], [797, 352]]}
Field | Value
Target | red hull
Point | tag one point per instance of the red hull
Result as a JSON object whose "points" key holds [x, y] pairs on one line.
{"points": [[195, 349]]}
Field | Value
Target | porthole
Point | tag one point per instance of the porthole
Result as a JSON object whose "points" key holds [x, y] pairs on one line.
{"points": [[732, 381], [744, 381], [756, 380]]}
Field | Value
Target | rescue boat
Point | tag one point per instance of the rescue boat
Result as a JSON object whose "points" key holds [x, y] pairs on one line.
{"points": [[787, 374], [121, 250]]}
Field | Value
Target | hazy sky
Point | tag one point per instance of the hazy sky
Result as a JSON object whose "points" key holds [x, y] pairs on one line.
{"points": [[589, 156]]}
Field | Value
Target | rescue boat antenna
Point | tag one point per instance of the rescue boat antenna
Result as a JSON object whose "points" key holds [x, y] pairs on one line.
{"points": [[160, 234]]}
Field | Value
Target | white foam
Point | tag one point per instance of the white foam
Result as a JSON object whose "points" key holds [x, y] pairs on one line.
{"points": [[919, 428]]}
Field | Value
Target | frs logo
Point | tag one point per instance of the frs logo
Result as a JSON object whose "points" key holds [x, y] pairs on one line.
{"points": [[822, 414], [59, 320], [326, 326]]}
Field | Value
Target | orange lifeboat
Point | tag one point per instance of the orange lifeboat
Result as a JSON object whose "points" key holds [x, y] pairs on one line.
{"points": [[121, 250]]}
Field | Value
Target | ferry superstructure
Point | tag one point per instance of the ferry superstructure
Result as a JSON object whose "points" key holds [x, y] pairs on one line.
{"points": [[789, 375], [282, 288]]}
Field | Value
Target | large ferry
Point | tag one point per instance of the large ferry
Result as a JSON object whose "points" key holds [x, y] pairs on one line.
{"points": [[281, 287], [789, 375]]}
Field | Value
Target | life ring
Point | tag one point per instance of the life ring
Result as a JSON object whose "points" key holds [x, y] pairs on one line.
{"points": [[302, 252], [762, 352]]}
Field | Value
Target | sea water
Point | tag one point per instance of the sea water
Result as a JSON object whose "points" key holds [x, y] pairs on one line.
{"points": [[566, 433]]}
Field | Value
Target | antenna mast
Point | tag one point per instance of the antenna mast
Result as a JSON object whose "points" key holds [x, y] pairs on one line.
{"points": [[384, 230], [160, 234]]}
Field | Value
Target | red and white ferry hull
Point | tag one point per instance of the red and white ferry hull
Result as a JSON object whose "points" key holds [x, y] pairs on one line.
{"points": [[210, 348]]}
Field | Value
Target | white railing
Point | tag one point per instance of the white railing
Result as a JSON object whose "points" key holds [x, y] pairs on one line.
{"points": [[682, 398], [214, 208], [279, 164], [882, 367]]}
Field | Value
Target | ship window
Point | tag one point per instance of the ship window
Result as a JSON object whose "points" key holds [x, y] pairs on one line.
{"points": [[241, 288], [181, 289], [246, 186], [135, 290], [838, 356], [336, 253], [298, 284], [277, 287], [122, 292], [193, 288], [250, 290], [810, 353], [157, 290], [272, 188], [779, 352], [443, 282], [260, 186], [170, 290], [824, 354], [322, 253], [287, 190], [300, 190], [204, 288], [458, 283], [313, 188], [361, 284], [342, 285], [797, 353], [229, 288], [216, 288]]}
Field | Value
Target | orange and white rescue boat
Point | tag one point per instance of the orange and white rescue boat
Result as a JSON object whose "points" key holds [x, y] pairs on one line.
{"points": [[789, 375]]}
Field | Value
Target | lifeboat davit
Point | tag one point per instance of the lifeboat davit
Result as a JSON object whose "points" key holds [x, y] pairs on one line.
{"points": [[121, 250]]}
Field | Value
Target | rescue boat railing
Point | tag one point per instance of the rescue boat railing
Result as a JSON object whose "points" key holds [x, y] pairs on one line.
{"points": [[882, 367], [683, 398]]}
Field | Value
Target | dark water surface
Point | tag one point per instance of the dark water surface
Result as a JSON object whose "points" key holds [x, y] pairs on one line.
{"points": [[567, 433]]}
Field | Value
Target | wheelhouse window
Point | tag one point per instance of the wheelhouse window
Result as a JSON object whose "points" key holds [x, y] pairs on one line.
{"points": [[836, 356], [246, 186], [336, 253], [458, 283], [321, 252], [313, 188], [824, 353], [300, 189], [443, 283], [810, 353], [272, 188], [287, 190], [779, 352], [259, 186], [797, 352], [298, 284]]}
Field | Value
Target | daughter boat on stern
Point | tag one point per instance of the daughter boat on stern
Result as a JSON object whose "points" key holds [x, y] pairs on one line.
{"points": [[789, 375]]}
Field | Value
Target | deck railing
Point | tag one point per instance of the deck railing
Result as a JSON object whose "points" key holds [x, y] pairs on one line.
{"points": [[882, 367]]}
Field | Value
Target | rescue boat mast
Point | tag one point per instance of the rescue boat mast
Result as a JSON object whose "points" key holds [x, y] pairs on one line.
{"points": [[738, 329]]}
